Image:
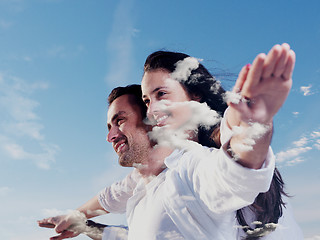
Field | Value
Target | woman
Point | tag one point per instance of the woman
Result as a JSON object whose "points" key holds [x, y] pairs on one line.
{"points": [[172, 78]]}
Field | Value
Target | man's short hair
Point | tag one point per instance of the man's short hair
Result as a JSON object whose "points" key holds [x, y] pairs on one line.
{"points": [[135, 91]]}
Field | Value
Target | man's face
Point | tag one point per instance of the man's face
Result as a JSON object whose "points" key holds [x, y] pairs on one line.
{"points": [[127, 132]]}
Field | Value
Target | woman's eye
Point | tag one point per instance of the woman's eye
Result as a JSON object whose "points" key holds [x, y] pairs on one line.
{"points": [[160, 93], [146, 102]]}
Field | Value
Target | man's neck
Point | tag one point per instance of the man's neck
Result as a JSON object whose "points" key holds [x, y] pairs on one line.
{"points": [[154, 164]]}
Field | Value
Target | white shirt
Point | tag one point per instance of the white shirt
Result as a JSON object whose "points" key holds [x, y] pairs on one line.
{"points": [[196, 197]]}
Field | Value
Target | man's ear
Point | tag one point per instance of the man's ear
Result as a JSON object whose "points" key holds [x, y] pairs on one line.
{"points": [[196, 97]]}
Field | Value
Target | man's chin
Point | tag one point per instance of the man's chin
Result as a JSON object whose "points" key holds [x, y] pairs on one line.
{"points": [[125, 162]]}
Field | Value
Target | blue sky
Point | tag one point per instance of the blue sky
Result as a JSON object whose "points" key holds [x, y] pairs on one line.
{"points": [[59, 59]]}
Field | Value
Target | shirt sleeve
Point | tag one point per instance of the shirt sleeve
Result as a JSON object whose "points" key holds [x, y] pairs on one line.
{"points": [[223, 184], [114, 198], [115, 233]]}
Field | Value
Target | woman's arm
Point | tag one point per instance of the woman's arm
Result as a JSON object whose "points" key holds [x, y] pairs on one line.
{"points": [[263, 88]]}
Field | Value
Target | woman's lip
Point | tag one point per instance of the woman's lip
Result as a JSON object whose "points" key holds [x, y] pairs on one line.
{"points": [[161, 120]]}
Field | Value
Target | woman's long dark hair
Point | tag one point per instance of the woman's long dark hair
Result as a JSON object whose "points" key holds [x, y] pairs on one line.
{"points": [[267, 206]]}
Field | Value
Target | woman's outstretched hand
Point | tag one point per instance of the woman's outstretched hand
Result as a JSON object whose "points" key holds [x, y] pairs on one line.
{"points": [[263, 88]]}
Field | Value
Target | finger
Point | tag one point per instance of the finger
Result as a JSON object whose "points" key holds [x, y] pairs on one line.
{"points": [[63, 226], [63, 235], [241, 78], [47, 222], [287, 74], [254, 76], [281, 64], [46, 225], [271, 61]]}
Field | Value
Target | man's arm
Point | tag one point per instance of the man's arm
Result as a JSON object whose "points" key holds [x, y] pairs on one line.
{"points": [[121, 191], [63, 223], [264, 88]]}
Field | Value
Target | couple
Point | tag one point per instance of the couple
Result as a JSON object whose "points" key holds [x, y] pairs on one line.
{"points": [[197, 175]]}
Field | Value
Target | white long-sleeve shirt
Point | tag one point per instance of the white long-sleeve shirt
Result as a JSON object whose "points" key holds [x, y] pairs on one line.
{"points": [[196, 197]]}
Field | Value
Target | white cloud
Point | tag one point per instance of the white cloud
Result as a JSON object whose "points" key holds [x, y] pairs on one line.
{"points": [[291, 153], [317, 144], [306, 143], [13, 5], [5, 24], [54, 212], [184, 68], [20, 125], [27, 58], [57, 51], [306, 90], [232, 97], [176, 134], [315, 134], [294, 161], [4, 191], [119, 45], [295, 113], [42, 160], [252, 133], [316, 237], [301, 142]]}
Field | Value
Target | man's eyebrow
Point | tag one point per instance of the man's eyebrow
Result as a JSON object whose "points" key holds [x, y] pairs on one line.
{"points": [[154, 90], [117, 115]]}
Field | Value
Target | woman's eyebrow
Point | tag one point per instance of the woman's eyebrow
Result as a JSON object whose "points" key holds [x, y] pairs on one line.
{"points": [[154, 90]]}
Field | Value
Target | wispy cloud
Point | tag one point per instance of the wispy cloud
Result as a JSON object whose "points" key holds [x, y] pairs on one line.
{"points": [[295, 161], [317, 144], [194, 114], [49, 212], [294, 154], [20, 125], [291, 153], [296, 114], [119, 45], [306, 90], [13, 5], [315, 134], [301, 142], [177, 134], [4, 191], [316, 237], [61, 51], [5, 24]]}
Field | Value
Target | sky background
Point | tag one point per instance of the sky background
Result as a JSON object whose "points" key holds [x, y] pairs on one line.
{"points": [[59, 60]]}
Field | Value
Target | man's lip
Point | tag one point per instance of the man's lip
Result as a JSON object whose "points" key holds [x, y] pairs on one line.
{"points": [[119, 145]]}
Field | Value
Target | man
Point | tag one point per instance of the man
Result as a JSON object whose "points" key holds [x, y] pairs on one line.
{"points": [[128, 135]]}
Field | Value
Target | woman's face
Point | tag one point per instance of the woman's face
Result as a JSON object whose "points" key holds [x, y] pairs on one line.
{"points": [[160, 93]]}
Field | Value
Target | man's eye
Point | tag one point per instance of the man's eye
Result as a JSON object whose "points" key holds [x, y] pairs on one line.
{"points": [[120, 121]]}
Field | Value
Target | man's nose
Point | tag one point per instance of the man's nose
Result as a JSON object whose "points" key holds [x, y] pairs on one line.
{"points": [[113, 134]]}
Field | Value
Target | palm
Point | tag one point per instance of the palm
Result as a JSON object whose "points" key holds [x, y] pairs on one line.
{"points": [[265, 86]]}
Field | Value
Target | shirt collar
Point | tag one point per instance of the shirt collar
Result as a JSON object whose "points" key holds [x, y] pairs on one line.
{"points": [[172, 160]]}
